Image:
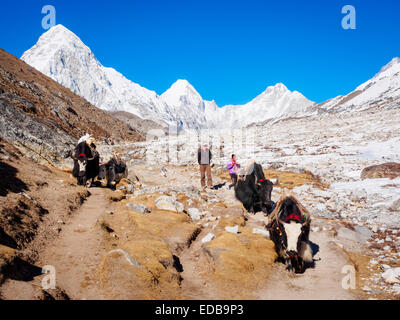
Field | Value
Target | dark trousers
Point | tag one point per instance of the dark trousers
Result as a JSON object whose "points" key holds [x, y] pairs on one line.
{"points": [[234, 179]]}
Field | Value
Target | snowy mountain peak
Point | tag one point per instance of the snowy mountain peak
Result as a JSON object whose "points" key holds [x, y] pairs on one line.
{"points": [[61, 55], [182, 93], [181, 88], [394, 63], [59, 30], [278, 87], [57, 37], [383, 90]]}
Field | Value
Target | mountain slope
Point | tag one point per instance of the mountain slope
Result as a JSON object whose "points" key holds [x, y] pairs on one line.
{"points": [[46, 119], [275, 102], [383, 90], [61, 55], [186, 102]]}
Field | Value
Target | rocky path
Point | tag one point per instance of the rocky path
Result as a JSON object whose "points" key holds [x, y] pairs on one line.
{"points": [[233, 265], [75, 255], [323, 282], [195, 287]]}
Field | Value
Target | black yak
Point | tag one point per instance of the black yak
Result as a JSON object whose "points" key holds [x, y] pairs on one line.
{"points": [[289, 229], [114, 171], [86, 163], [253, 190]]}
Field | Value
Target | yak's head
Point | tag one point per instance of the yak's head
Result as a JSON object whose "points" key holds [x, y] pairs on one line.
{"points": [[294, 247], [82, 163], [110, 170], [82, 156], [102, 172]]}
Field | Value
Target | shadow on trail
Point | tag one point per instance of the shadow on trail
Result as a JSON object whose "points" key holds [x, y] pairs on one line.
{"points": [[219, 186], [9, 181], [315, 250], [23, 271]]}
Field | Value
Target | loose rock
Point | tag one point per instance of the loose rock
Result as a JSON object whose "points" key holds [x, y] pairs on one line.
{"points": [[169, 204]]}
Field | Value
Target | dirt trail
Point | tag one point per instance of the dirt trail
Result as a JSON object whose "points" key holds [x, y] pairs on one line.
{"points": [[76, 255], [194, 287], [323, 282], [81, 247]]}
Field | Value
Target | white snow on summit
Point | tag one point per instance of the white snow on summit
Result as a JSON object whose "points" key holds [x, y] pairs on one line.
{"points": [[275, 102], [186, 102], [61, 55], [383, 88]]}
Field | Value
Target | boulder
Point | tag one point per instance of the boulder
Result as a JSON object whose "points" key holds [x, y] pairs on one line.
{"points": [[194, 213], [189, 190], [169, 203], [387, 170], [129, 188], [275, 165], [358, 235], [364, 231], [392, 275], [395, 206], [137, 207]]}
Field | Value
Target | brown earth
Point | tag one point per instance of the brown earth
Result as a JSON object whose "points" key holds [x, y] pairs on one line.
{"points": [[136, 122], [56, 106], [34, 200], [107, 251]]}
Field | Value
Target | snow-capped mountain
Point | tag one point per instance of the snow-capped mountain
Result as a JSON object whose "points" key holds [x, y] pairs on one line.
{"points": [[382, 90], [61, 55], [275, 102], [186, 102]]}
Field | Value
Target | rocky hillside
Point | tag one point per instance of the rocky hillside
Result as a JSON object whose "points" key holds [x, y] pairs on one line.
{"points": [[34, 201], [138, 123], [45, 119], [382, 91]]}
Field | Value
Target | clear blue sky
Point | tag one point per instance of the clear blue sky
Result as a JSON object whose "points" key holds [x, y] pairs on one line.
{"points": [[229, 50]]}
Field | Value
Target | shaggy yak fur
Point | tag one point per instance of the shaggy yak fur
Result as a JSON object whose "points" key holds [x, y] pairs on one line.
{"points": [[86, 163], [289, 228], [114, 171], [253, 190]]}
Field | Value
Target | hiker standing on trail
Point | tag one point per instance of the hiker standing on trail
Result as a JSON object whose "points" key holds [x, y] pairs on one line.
{"points": [[204, 159], [233, 167]]}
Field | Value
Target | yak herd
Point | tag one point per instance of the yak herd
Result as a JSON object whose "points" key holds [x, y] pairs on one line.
{"points": [[288, 221], [87, 165]]}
